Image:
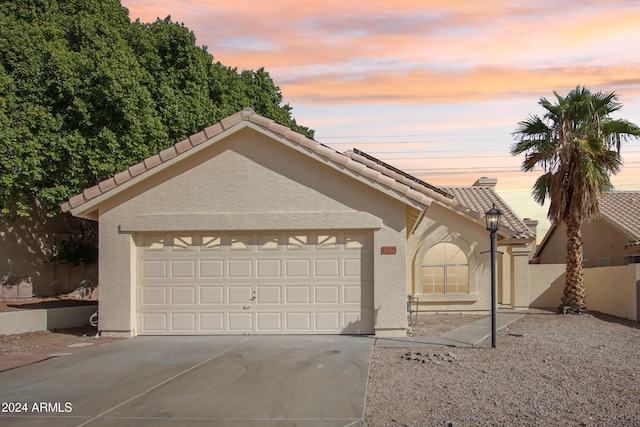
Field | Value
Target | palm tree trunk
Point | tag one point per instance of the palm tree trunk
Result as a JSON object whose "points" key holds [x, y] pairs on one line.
{"points": [[573, 296]]}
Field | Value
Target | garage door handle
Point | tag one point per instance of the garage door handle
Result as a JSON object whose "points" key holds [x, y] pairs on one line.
{"points": [[253, 296]]}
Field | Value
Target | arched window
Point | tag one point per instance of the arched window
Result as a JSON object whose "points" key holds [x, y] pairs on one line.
{"points": [[445, 270]]}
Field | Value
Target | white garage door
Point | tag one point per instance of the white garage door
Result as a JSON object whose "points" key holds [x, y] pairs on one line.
{"points": [[263, 283]]}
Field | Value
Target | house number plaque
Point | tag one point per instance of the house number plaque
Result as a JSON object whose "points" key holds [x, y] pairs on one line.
{"points": [[388, 250]]}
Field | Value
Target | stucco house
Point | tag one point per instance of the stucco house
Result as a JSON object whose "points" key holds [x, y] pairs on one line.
{"points": [[610, 240], [251, 228]]}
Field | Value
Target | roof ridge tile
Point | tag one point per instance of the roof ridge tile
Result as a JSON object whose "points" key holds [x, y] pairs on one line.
{"points": [[107, 184], [198, 138], [152, 161], [122, 177], [213, 130], [137, 169], [232, 120], [278, 128], [357, 166], [260, 120], [339, 158], [168, 153], [91, 192], [183, 146]]}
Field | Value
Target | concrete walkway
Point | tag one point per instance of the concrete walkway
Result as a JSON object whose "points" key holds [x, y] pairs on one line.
{"points": [[465, 336]]}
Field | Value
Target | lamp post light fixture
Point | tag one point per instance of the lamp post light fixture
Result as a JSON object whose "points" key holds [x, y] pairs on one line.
{"points": [[493, 224]]}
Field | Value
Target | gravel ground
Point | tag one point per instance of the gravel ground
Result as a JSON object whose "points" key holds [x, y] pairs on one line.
{"points": [[547, 370]]}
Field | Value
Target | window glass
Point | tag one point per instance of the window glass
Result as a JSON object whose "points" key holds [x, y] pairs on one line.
{"points": [[240, 243], [182, 243], [297, 241], [212, 243], [153, 243], [355, 240], [435, 255], [327, 241], [268, 242], [445, 269]]}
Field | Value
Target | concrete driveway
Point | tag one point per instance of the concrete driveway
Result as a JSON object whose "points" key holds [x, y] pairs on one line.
{"points": [[195, 381]]}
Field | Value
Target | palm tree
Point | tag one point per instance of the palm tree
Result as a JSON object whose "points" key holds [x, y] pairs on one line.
{"points": [[577, 145]]}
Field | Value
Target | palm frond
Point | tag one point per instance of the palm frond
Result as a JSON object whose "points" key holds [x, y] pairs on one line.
{"points": [[578, 146], [541, 188]]}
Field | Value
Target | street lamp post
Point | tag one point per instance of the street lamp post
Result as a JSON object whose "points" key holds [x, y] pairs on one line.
{"points": [[493, 224]]}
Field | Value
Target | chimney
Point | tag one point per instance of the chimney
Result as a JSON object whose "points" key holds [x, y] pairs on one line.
{"points": [[532, 224], [486, 182]]}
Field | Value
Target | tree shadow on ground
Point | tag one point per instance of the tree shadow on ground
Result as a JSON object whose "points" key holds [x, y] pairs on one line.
{"points": [[612, 319]]}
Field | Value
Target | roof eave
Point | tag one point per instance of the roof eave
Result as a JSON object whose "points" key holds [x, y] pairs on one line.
{"points": [[85, 205]]}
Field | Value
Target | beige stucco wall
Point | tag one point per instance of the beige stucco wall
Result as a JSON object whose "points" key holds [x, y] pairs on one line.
{"points": [[248, 181], [546, 282], [18, 322], [600, 240], [610, 290], [441, 224], [25, 247]]}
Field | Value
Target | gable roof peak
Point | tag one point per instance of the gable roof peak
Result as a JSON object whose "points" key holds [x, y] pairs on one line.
{"points": [[79, 204]]}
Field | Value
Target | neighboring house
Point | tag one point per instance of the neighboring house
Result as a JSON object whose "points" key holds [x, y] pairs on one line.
{"points": [[250, 227], [610, 240]]}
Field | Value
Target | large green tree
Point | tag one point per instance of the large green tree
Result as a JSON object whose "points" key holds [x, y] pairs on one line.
{"points": [[85, 93], [577, 144]]}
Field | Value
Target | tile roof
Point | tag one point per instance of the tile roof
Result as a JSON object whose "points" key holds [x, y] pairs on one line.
{"points": [[622, 210], [480, 198], [472, 201], [247, 117]]}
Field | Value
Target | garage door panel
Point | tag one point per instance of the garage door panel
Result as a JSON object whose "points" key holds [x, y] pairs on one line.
{"points": [[212, 322], [211, 268], [327, 321], [269, 295], [298, 294], [183, 295], [239, 294], [268, 283], [354, 323], [154, 269], [154, 322], [351, 267], [154, 295], [297, 268], [352, 294], [183, 269], [327, 267], [212, 294], [240, 268], [327, 294], [268, 268], [298, 322], [183, 322], [268, 322], [240, 322]]}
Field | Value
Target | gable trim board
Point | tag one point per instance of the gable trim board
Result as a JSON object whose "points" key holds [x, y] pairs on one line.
{"points": [[252, 221], [249, 176]]}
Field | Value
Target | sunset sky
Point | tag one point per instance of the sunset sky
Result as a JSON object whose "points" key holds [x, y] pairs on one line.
{"points": [[434, 87]]}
